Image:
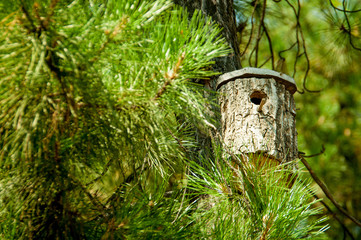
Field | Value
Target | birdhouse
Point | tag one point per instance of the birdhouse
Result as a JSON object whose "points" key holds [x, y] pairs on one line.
{"points": [[258, 112]]}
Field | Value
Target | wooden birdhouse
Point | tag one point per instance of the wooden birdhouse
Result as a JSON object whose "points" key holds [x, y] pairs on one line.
{"points": [[258, 112]]}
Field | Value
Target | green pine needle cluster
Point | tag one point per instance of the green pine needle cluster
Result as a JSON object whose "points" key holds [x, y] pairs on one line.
{"points": [[241, 199], [97, 120]]}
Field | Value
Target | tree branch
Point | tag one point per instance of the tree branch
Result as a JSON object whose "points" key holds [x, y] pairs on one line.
{"points": [[327, 192], [349, 26], [259, 35], [252, 29], [344, 10], [346, 231]]}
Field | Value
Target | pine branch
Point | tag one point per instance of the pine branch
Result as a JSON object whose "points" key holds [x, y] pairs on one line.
{"points": [[170, 76]]}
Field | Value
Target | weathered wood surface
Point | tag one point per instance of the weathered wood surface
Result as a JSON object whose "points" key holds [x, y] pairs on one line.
{"points": [[248, 72], [258, 114]]}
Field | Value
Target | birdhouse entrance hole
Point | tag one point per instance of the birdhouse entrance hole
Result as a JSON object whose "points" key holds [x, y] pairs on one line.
{"points": [[258, 113], [257, 96]]}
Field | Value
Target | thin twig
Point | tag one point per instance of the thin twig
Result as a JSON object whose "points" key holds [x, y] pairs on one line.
{"points": [[301, 44], [307, 61], [260, 32], [106, 168], [349, 30], [252, 29], [297, 37], [344, 10], [266, 61], [270, 45], [93, 199], [311, 192], [285, 50], [334, 216], [316, 154], [327, 192], [178, 140]]}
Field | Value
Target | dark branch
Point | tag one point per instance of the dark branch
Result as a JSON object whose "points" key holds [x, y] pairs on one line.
{"points": [[344, 10], [316, 154], [260, 31], [349, 30], [28, 17], [301, 44], [252, 29], [106, 168], [345, 229], [327, 192], [270, 45]]}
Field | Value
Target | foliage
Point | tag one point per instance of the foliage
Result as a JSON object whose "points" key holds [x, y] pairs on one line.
{"points": [[92, 97], [97, 124], [249, 200]]}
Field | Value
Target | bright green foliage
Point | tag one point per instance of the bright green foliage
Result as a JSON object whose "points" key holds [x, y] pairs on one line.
{"points": [[97, 122], [249, 201], [95, 95]]}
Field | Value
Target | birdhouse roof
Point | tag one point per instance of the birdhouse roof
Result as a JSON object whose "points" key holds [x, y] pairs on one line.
{"points": [[250, 72]]}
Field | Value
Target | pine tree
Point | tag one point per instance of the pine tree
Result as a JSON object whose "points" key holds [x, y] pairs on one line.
{"points": [[98, 120]]}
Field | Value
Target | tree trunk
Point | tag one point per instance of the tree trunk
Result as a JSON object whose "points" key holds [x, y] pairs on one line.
{"points": [[222, 12]]}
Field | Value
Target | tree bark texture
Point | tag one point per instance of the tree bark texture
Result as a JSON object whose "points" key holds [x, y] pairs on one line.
{"points": [[222, 12], [258, 114]]}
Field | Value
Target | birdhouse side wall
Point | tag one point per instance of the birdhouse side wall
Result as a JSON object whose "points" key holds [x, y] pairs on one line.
{"points": [[251, 125]]}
